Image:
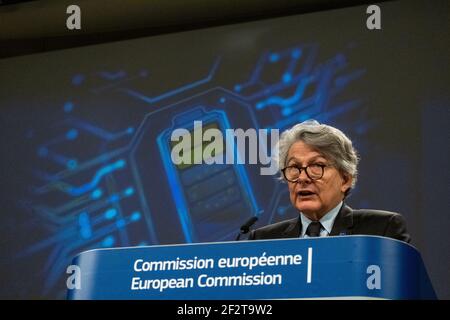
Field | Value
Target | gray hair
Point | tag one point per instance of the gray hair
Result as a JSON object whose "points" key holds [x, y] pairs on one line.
{"points": [[331, 142]]}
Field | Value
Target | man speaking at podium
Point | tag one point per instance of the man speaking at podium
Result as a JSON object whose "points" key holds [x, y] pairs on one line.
{"points": [[319, 164]]}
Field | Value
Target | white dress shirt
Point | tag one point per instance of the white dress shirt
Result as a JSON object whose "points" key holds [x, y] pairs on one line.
{"points": [[327, 222]]}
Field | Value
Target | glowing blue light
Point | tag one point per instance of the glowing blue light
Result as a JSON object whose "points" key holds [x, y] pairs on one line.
{"points": [[85, 225], [72, 134], [120, 223], [76, 191], [130, 130], [68, 107], [97, 193], [286, 111], [108, 241], [304, 117], [114, 198], [287, 77], [296, 53], [222, 100], [237, 88], [72, 164], [274, 57], [135, 216], [120, 163], [110, 213], [129, 191]]}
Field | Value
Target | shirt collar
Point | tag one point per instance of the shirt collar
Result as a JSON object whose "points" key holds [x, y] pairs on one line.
{"points": [[327, 220]]}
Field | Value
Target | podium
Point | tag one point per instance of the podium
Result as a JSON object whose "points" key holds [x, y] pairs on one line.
{"points": [[343, 267]]}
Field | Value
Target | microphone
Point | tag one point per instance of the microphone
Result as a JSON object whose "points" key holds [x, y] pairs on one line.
{"points": [[245, 228]]}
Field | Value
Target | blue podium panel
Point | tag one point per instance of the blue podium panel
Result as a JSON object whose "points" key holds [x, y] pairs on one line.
{"points": [[330, 267]]}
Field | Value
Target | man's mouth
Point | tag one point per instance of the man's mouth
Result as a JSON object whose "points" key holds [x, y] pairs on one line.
{"points": [[305, 193]]}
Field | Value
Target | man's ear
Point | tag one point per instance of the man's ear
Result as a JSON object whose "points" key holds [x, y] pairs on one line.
{"points": [[346, 182]]}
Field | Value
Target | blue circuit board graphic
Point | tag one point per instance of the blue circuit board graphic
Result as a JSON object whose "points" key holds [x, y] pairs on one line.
{"points": [[108, 181]]}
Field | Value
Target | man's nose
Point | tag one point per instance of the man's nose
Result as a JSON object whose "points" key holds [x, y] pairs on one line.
{"points": [[303, 177]]}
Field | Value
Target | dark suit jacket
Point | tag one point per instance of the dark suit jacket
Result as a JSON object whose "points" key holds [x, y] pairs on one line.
{"points": [[347, 222]]}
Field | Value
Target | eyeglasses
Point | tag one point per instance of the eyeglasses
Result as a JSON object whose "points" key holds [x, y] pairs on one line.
{"points": [[314, 171]]}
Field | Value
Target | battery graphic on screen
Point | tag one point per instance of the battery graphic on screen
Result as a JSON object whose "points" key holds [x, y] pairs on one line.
{"points": [[207, 196]]}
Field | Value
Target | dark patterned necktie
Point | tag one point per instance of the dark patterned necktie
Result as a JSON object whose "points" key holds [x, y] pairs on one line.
{"points": [[313, 229]]}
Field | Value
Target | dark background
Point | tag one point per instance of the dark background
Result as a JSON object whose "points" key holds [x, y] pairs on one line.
{"points": [[69, 115]]}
